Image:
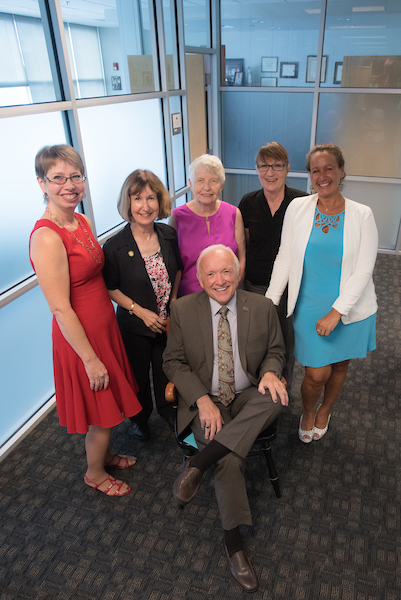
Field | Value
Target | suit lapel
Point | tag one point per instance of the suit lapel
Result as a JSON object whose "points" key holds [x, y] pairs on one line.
{"points": [[243, 317], [204, 315]]}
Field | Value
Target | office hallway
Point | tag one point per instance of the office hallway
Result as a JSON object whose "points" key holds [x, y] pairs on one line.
{"points": [[334, 534]]}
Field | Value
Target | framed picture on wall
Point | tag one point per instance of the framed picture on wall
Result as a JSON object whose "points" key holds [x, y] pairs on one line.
{"points": [[268, 81], [269, 64], [289, 69], [311, 63], [116, 83], [338, 72]]}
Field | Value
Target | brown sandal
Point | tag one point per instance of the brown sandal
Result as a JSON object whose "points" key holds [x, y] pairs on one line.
{"points": [[122, 462], [113, 482]]}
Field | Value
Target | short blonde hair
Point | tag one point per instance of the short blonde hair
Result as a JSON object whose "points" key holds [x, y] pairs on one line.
{"points": [[211, 248], [49, 155], [272, 151], [137, 181], [210, 163]]}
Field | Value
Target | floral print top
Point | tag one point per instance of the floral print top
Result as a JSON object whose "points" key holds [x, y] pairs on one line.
{"points": [[159, 277]]}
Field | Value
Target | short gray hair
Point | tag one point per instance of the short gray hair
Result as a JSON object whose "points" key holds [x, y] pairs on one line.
{"points": [[208, 249], [210, 163]]}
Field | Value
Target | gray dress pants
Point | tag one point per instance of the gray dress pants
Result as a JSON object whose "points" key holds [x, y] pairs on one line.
{"points": [[249, 414]]}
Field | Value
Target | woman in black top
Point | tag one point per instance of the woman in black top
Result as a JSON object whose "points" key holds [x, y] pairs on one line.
{"points": [[263, 214], [142, 272]]}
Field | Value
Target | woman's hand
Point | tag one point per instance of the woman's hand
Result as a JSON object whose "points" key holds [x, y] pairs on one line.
{"points": [[326, 324], [97, 374], [152, 320]]}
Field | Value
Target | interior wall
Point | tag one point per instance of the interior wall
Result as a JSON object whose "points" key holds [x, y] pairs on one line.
{"points": [[296, 46]]}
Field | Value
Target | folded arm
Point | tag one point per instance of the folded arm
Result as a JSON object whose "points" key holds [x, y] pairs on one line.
{"points": [[150, 318]]}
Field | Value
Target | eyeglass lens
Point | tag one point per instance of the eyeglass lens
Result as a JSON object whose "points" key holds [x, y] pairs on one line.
{"points": [[62, 180], [274, 167]]}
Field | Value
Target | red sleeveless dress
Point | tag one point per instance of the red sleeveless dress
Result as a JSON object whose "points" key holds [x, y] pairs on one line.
{"points": [[77, 405]]}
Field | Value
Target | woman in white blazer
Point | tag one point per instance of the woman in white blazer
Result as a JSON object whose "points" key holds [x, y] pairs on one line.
{"points": [[327, 255]]}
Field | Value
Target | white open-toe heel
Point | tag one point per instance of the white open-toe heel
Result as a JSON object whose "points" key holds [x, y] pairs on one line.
{"points": [[305, 435], [319, 433]]}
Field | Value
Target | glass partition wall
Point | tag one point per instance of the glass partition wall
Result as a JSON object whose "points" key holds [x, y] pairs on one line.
{"points": [[109, 77], [105, 77], [301, 73]]}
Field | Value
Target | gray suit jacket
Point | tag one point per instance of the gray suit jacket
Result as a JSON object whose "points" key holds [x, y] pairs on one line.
{"points": [[188, 358]]}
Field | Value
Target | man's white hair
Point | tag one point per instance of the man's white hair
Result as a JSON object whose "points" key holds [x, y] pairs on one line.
{"points": [[220, 247]]}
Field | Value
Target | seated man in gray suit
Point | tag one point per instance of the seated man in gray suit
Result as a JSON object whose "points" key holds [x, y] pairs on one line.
{"points": [[224, 354]]}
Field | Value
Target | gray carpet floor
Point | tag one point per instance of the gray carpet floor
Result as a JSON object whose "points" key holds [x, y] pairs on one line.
{"points": [[334, 534]]}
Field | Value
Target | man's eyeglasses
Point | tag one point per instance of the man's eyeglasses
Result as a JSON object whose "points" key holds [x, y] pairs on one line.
{"points": [[61, 179], [274, 167]]}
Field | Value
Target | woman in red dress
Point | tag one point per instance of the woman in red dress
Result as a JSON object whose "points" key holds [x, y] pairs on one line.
{"points": [[94, 384]]}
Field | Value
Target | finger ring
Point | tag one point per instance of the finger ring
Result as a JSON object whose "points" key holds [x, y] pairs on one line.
{"points": [[319, 330], [207, 426]]}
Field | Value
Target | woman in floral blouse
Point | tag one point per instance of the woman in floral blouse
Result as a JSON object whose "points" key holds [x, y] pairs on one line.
{"points": [[142, 273]]}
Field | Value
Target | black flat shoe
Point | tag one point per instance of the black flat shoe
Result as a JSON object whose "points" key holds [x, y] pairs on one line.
{"points": [[140, 431]]}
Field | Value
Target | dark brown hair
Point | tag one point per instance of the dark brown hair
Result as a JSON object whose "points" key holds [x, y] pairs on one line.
{"points": [[332, 148]]}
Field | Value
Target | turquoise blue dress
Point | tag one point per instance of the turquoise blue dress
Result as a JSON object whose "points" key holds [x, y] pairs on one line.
{"points": [[320, 286]]}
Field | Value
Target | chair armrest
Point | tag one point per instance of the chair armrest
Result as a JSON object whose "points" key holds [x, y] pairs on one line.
{"points": [[170, 393]]}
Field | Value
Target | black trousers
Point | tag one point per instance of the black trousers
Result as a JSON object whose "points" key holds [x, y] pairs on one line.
{"points": [[286, 328], [144, 352]]}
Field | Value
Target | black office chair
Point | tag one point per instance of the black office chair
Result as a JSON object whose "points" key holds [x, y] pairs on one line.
{"points": [[263, 442]]}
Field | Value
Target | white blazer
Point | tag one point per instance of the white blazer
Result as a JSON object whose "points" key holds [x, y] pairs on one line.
{"points": [[357, 299]]}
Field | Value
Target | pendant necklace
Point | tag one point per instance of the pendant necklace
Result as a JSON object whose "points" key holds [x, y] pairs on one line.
{"points": [[91, 248]]}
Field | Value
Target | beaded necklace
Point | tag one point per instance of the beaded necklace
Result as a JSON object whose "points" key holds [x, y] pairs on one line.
{"points": [[91, 248]]}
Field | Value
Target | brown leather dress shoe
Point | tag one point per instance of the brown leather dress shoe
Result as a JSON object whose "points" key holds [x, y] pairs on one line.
{"points": [[187, 483], [242, 570]]}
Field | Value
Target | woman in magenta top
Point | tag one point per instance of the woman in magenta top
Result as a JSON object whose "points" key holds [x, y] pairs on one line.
{"points": [[206, 220]]}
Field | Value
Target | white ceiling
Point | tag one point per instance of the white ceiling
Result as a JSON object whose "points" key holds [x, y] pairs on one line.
{"points": [[241, 14]]}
